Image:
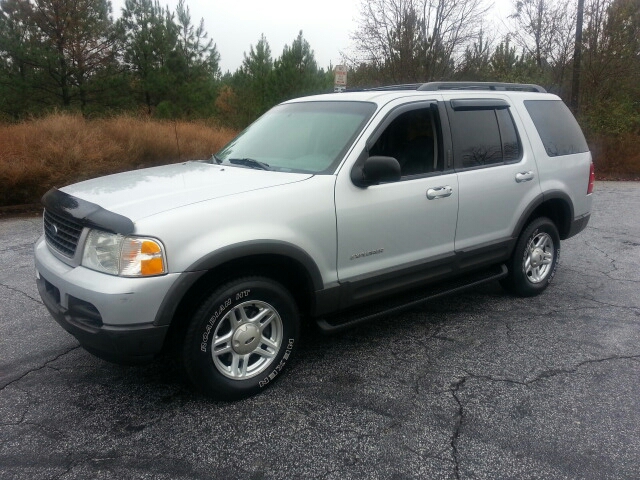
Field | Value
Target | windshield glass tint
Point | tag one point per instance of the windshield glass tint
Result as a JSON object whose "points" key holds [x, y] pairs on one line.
{"points": [[301, 137]]}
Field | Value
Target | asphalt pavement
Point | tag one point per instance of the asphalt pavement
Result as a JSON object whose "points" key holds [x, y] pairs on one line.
{"points": [[478, 385]]}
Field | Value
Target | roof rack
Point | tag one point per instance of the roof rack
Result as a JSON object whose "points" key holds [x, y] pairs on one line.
{"points": [[514, 87], [433, 86], [405, 86]]}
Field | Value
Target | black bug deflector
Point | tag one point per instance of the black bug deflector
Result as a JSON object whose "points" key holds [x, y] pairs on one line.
{"points": [[87, 213]]}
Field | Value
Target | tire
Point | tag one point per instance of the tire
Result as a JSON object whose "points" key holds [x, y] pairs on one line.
{"points": [[241, 338], [534, 261]]}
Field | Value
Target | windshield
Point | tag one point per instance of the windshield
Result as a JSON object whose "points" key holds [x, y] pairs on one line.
{"points": [[309, 137]]}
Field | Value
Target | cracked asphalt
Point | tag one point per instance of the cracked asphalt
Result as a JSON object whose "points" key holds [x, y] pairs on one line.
{"points": [[480, 385]]}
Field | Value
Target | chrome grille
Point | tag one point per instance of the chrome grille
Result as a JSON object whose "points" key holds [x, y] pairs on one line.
{"points": [[62, 233]]}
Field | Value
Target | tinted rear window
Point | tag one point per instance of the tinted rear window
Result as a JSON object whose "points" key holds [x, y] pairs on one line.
{"points": [[483, 137], [558, 130], [476, 138]]}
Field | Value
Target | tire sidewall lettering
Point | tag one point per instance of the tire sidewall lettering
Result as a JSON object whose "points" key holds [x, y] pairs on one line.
{"points": [[278, 368], [202, 366], [555, 264], [212, 321]]}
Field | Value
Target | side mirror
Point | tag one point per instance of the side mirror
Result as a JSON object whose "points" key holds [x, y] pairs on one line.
{"points": [[375, 170]]}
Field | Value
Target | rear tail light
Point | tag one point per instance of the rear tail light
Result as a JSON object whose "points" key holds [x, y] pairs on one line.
{"points": [[592, 179]]}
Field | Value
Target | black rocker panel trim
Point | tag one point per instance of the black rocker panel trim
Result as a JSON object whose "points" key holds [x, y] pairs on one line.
{"points": [[365, 289]]}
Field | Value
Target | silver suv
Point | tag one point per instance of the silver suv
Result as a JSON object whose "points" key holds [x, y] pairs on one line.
{"points": [[333, 209]]}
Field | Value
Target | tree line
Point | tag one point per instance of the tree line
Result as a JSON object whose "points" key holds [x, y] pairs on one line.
{"points": [[72, 55], [406, 41]]}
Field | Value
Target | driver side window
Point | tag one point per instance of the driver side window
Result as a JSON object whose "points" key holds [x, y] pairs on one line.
{"points": [[412, 139]]}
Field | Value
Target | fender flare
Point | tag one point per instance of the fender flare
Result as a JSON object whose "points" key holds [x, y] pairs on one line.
{"points": [[537, 202], [226, 254], [260, 247]]}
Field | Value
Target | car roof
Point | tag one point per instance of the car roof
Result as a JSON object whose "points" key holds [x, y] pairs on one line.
{"points": [[382, 97]]}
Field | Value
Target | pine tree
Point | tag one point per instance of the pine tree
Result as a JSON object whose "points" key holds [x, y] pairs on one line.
{"points": [[54, 49], [296, 72], [149, 36]]}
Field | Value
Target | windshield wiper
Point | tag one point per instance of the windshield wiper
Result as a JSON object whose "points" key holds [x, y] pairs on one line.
{"points": [[249, 162]]}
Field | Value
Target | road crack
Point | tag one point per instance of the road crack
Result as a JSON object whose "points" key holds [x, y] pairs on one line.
{"points": [[13, 289], [599, 272], [45, 365], [455, 387], [554, 372]]}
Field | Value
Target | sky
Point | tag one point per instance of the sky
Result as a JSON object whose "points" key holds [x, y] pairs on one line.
{"points": [[235, 25]]}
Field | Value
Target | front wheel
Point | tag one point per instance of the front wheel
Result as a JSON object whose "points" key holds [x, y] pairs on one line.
{"points": [[241, 338], [535, 259]]}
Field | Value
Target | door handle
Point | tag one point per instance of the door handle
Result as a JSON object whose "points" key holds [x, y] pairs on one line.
{"points": [[439, 192], [524, 176]]}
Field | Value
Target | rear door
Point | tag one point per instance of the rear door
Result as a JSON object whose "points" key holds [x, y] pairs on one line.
{"points": [[497, 177]]}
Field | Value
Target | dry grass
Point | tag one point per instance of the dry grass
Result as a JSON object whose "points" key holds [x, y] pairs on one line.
{"points": [[616, 158], [61, 149]]}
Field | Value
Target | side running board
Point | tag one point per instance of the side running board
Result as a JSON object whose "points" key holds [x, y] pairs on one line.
{"points": [[414, 299]]}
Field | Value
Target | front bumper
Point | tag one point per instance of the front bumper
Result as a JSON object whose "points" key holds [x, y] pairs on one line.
{"points": [[112, 317]]}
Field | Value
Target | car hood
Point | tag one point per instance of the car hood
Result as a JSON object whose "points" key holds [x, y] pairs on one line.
{"points": [[140, 193]]}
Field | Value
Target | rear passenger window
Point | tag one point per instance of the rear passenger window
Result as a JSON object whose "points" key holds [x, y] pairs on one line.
{"points": [[476, 138], [558, 130], [483, 137]]}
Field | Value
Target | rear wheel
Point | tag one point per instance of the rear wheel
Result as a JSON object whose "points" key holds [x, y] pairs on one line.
{"points": [[535, 259], [241, 338]]}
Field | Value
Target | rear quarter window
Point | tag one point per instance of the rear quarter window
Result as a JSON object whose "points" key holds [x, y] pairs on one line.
{"points": [[558, 129]]}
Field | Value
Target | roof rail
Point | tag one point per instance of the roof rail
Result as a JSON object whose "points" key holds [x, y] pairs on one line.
{"points": [[515, 87], [405, 86]]}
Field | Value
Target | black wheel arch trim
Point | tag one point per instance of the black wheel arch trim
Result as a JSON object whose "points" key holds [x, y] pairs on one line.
{"points": [[261, 247], [174, 296], [87, 213], [539, 200], [559, 194]]}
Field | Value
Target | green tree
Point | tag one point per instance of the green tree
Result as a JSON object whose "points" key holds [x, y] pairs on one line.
{"points": [[296, 72], [611, 67], [16, 72], [149, 37], [476, 62], [174, 67], [55, 48], [192, 70], [198, 51], [505, 65], [258, 78], [250, 90]]}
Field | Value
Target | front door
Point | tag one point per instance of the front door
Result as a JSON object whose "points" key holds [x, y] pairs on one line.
{"points": [[399, 234]]}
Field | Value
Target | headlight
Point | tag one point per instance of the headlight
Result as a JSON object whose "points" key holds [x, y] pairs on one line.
{"points": [[125, 256]]}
